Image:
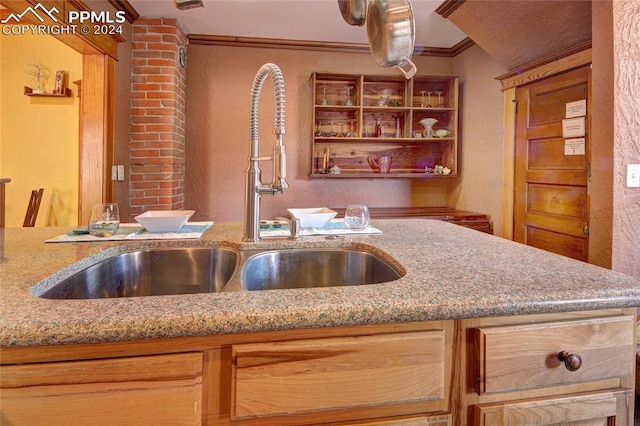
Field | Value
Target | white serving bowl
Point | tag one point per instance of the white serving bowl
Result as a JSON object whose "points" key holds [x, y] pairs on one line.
{"points": [[164, 220], [317, 217]]}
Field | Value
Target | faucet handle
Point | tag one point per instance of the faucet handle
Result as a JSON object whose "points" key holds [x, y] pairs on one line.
{"points": [[294, 228]]}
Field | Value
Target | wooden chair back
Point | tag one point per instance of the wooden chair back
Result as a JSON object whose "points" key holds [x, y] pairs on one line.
{"points": [[32, 208]]}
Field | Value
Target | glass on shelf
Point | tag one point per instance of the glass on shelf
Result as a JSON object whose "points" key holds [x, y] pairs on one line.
{"points": [[352, 133], [332, 130], [319, 132], [384, 95], [369, 130], [323, 100], [440, 100], [422, 104], [348, 102], [379, 130], [398, 131], [429, 99], [341, 133]]}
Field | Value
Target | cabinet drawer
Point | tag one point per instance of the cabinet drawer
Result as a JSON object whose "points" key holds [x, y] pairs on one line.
{"points": [[161, 389], [518, 357], [337, 373], [437, 420], [601, 408]]}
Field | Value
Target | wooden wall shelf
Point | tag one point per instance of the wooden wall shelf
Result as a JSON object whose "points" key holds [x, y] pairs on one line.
{"points": [[346, 109], [67, 93]]}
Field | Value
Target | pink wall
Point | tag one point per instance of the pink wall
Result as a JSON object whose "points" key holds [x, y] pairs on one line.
{"points": [[480, 188], [626, 201], [218, 92]]}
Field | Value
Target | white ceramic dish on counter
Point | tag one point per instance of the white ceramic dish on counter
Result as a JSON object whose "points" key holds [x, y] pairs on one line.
{"points": [[164, 220], [316, 217]]}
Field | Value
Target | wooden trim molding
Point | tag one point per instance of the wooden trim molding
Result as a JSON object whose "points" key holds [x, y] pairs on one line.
{"points": [[448, 7], [462, 46], [573, 57], [87, 44], [131, 14], [323, 46], [508, 161], [96, 133]]}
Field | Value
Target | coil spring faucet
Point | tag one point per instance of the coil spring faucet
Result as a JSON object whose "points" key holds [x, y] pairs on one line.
{"points": [[254, 187]]}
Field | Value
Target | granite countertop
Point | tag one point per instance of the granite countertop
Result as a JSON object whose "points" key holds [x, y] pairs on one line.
{"points": [[451, 272]]}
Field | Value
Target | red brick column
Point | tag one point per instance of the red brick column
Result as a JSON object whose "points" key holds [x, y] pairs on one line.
{"points": [[157, 145]]}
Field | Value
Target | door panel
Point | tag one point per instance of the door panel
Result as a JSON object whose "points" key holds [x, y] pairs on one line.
{"points": [[551, 195], [548, 240], [550, 153], [557, 200]]}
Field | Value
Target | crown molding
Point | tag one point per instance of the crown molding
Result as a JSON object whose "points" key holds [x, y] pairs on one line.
{"points": [[448, 7], [131, 14], [323, 46]]}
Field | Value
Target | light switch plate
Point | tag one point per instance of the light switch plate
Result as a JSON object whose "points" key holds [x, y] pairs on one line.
{"points": [[114, 173], [120, 173], [633, 175]]}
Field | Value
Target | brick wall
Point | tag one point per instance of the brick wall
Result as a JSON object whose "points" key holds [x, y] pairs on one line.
{"points": [[157, 145]]}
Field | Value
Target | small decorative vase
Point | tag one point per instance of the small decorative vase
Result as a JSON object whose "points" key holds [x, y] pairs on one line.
{"points": [[428, 123]]}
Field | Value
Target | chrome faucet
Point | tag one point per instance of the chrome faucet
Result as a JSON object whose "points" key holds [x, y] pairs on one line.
{"points": [[254, 187]]}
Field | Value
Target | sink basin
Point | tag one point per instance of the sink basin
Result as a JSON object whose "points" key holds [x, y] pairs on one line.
{"points": [[151, 272], [189, 270], [304, 268]]}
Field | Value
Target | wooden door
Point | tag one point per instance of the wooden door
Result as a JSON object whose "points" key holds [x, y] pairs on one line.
{"points": [[551, 196]]}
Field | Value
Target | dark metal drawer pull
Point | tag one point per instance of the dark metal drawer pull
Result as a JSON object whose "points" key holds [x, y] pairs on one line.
{"points": [[573, 362]]}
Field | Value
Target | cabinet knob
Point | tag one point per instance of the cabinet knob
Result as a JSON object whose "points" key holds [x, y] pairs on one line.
{"points": [[572, 362]]}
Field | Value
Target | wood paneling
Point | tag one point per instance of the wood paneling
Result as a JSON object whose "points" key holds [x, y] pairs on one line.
{"points": [[526, 356], [548, 199], [592, 409], [544, 239], [550, 153], [164, 389], [311, 375], [96, 133]]}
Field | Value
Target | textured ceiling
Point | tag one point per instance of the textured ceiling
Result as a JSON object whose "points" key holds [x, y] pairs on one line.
{"points": [[517, 33]]}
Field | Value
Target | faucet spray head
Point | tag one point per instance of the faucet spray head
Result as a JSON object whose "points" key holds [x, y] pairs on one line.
{"points": [[279, 181]]}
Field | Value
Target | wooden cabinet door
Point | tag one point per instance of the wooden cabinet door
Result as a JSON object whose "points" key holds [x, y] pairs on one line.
{"points": [[589, 409], [146, 390], [551, 197], [519, 357], [375, 373]]}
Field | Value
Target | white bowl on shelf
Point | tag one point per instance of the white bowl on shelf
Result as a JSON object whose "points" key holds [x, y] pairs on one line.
{"points": [[164, 220], [317, 217]]}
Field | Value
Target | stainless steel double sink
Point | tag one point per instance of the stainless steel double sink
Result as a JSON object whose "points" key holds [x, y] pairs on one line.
{"points": [[188, 270]]}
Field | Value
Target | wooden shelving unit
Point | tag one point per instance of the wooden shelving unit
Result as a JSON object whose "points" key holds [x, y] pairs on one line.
{"points": [[348, 108], [67, 93]]}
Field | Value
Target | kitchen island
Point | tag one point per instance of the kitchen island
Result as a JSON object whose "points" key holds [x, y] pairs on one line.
{"points": [[465, 293]]}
